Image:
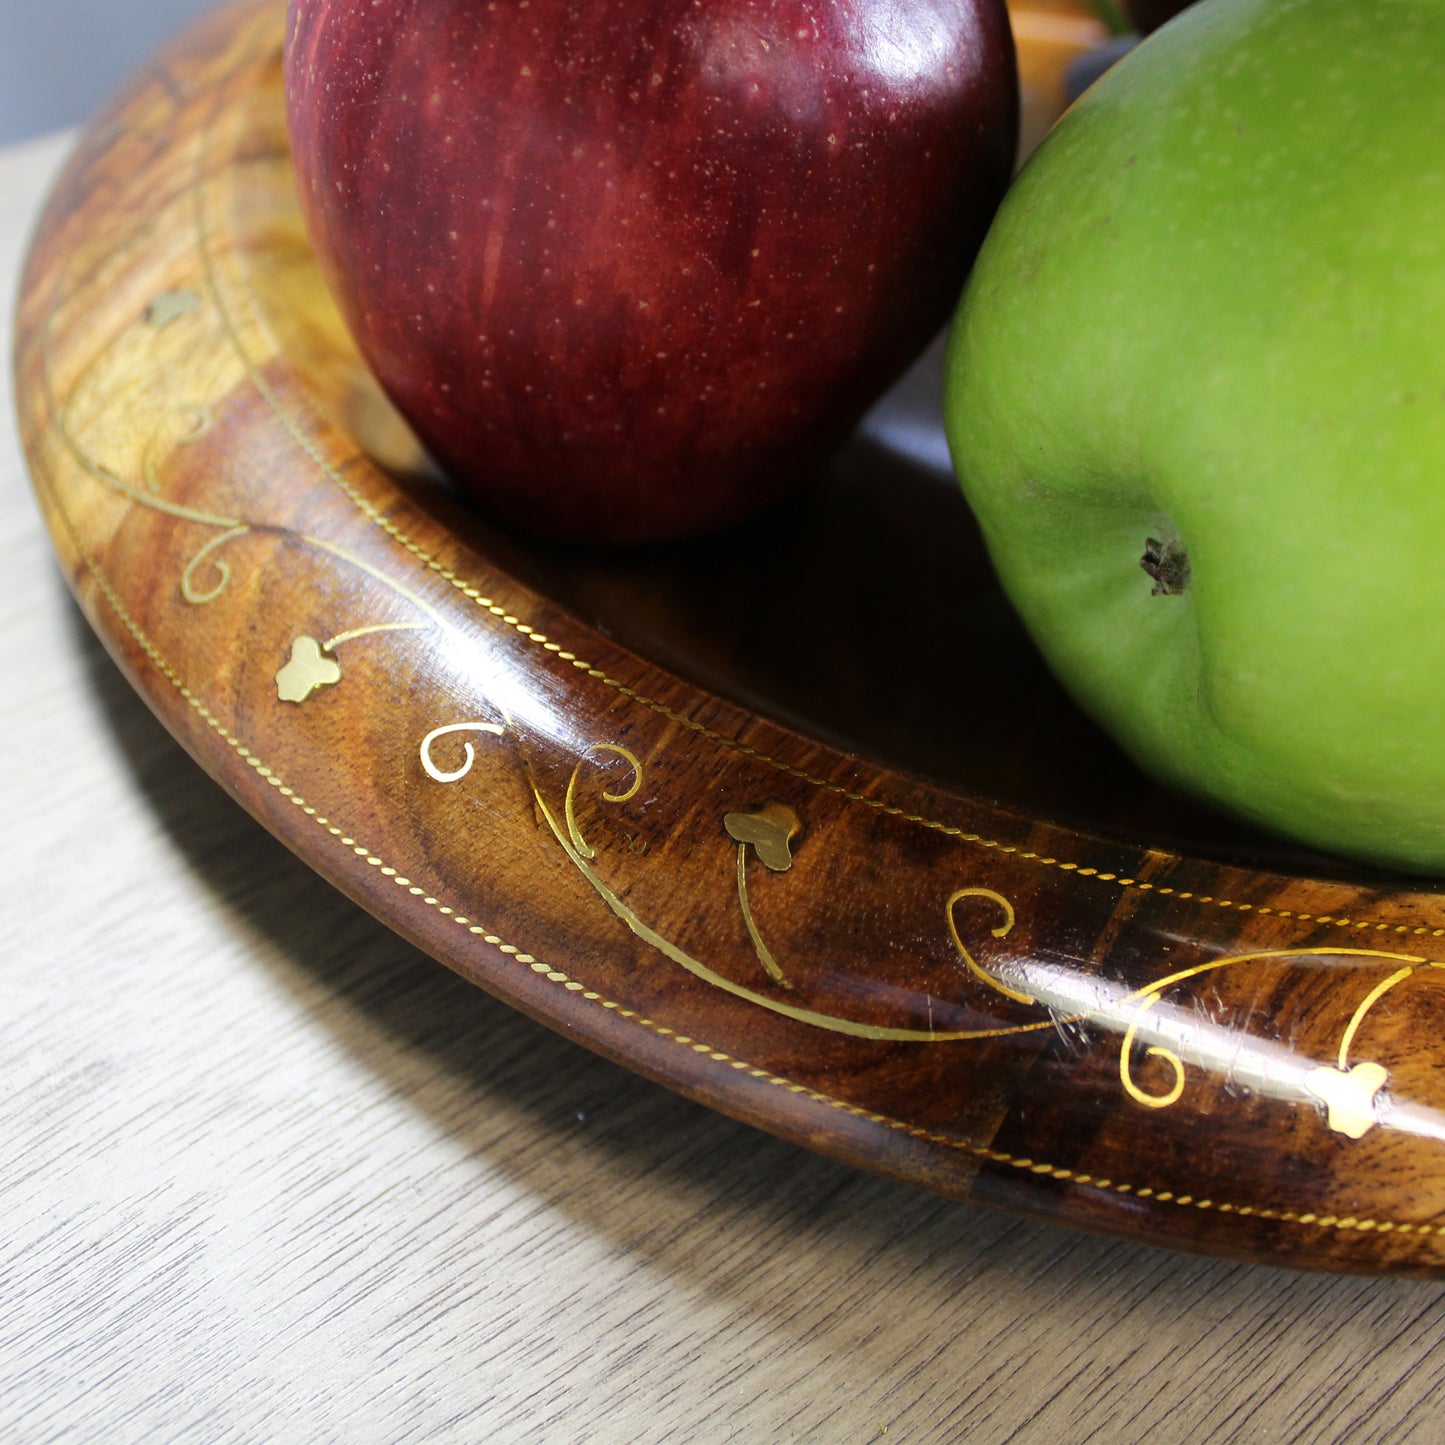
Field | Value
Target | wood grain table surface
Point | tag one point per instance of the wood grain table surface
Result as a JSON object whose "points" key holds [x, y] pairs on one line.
{"points": [[267, 1173]]}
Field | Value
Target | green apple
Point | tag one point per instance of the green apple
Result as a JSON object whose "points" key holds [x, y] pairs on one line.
{"points": [[1196, 397]]}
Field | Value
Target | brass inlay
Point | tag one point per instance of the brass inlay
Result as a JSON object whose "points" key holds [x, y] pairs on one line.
{"points": [[1349, 1096], [307, 672], [569, 803], [769, 832], [569, 836], [206, 575], [771, 966], [469, 753], [313, 664], [197, 595], [1371, 999], [1349, 1093], [1175, 1091], [1001, 931]]}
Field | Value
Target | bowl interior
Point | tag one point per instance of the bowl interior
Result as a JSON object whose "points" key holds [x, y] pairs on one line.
{"points": [[862, 609]]}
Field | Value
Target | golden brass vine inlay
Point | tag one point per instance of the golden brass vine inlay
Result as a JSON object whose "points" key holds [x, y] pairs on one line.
{"points": [[769, 831], [313, 665], [1006, 911], [1141, 1018], [176, 425]]}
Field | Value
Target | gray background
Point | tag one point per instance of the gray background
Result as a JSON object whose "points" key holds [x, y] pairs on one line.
{"points": [[59, 59]]}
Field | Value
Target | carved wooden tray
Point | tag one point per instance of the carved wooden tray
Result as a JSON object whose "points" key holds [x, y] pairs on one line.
{"points": [[792, 820]]}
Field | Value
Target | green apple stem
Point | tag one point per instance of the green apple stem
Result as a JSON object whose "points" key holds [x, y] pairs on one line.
{"points": [[1167, 563]]}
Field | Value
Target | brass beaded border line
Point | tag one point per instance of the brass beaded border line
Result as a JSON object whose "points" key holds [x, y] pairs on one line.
{"points": [[982, 1152], [474, 595]]}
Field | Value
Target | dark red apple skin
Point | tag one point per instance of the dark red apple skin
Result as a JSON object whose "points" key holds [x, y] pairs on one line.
{"points": [[631, 267]]}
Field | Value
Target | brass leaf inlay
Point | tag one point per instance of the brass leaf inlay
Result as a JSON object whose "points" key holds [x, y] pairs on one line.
{"points": [[1349, 1096], [309, 670], [770, 831]]}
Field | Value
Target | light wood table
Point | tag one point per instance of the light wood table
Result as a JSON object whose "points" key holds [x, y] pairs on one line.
{"points": [[267, 1173]]}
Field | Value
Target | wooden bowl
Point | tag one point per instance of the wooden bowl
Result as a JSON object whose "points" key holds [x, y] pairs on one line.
{"points": [[791, 820]]}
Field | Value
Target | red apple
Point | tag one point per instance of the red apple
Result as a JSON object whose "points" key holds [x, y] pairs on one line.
{"points": [[630, 266]]}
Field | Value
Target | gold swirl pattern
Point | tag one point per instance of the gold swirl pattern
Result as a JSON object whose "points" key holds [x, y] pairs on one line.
{"points": [[568, 833], [1001, 931], [569, 803], [310, 666], [1350, 1095], [199, 596], [469, 753], [1141, 1018]]}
